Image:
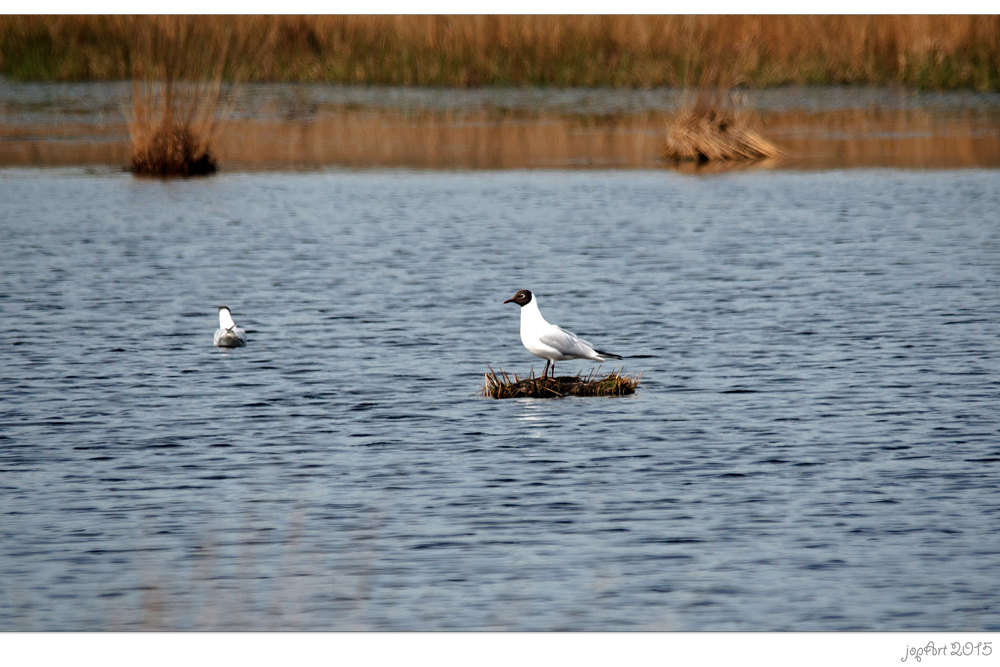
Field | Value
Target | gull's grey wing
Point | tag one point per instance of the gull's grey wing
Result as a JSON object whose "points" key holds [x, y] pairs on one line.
{"points": [[567, 343]]}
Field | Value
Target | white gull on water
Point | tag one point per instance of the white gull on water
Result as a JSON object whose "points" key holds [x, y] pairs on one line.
{"points": [[548, 341], [229, 335]]}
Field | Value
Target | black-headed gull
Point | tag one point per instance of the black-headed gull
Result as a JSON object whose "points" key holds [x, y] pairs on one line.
{"points": [[229, 335], [549, 342]]}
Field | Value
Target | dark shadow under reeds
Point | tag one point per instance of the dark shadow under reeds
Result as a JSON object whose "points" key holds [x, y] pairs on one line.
{"points": [[501, 385]]}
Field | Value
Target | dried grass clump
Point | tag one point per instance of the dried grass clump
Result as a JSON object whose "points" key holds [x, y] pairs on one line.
{"points": [[500, 385], [715, 127], [170, 132], [176, 85]]}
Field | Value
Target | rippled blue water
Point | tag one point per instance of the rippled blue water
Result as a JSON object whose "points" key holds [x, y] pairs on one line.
{"points": [[816, 445]]}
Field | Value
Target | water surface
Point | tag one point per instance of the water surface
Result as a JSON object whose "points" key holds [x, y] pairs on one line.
{"points": [[815, 447]]}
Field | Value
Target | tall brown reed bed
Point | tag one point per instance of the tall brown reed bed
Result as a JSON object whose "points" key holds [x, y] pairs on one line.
{"points": [[498, 384], [636, 51]]}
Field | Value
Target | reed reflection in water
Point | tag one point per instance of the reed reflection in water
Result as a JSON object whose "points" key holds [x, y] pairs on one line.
{"points": [[470, 133]]}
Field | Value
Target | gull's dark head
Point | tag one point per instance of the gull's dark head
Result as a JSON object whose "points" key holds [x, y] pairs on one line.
{"points": [[522, 298]]}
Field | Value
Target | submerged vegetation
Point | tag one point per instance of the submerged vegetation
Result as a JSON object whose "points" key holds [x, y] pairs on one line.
{"points": [[936, 52], [500, 385], [715, 127]]}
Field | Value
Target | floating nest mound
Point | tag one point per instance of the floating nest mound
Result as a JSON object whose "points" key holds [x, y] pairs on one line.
{"points": [[500, 385], [714, 128]]}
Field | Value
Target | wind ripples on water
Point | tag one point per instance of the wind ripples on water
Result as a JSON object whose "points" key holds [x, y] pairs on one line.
{"points": [[815, 446]]}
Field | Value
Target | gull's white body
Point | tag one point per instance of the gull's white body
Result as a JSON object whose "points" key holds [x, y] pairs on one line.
{"points": [[229, 335], [547, 341]]}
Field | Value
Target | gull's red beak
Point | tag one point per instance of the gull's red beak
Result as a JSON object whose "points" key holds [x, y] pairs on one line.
{"points": [[509, 300]]}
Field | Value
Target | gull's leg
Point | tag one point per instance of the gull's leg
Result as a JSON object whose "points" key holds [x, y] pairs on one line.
{"points": [[545, 372], [553, 371]]}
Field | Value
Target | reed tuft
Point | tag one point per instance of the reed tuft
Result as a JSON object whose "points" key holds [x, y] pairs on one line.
{"points": [[170, 132], [713, 127], [501, 385], [176, 86]]}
